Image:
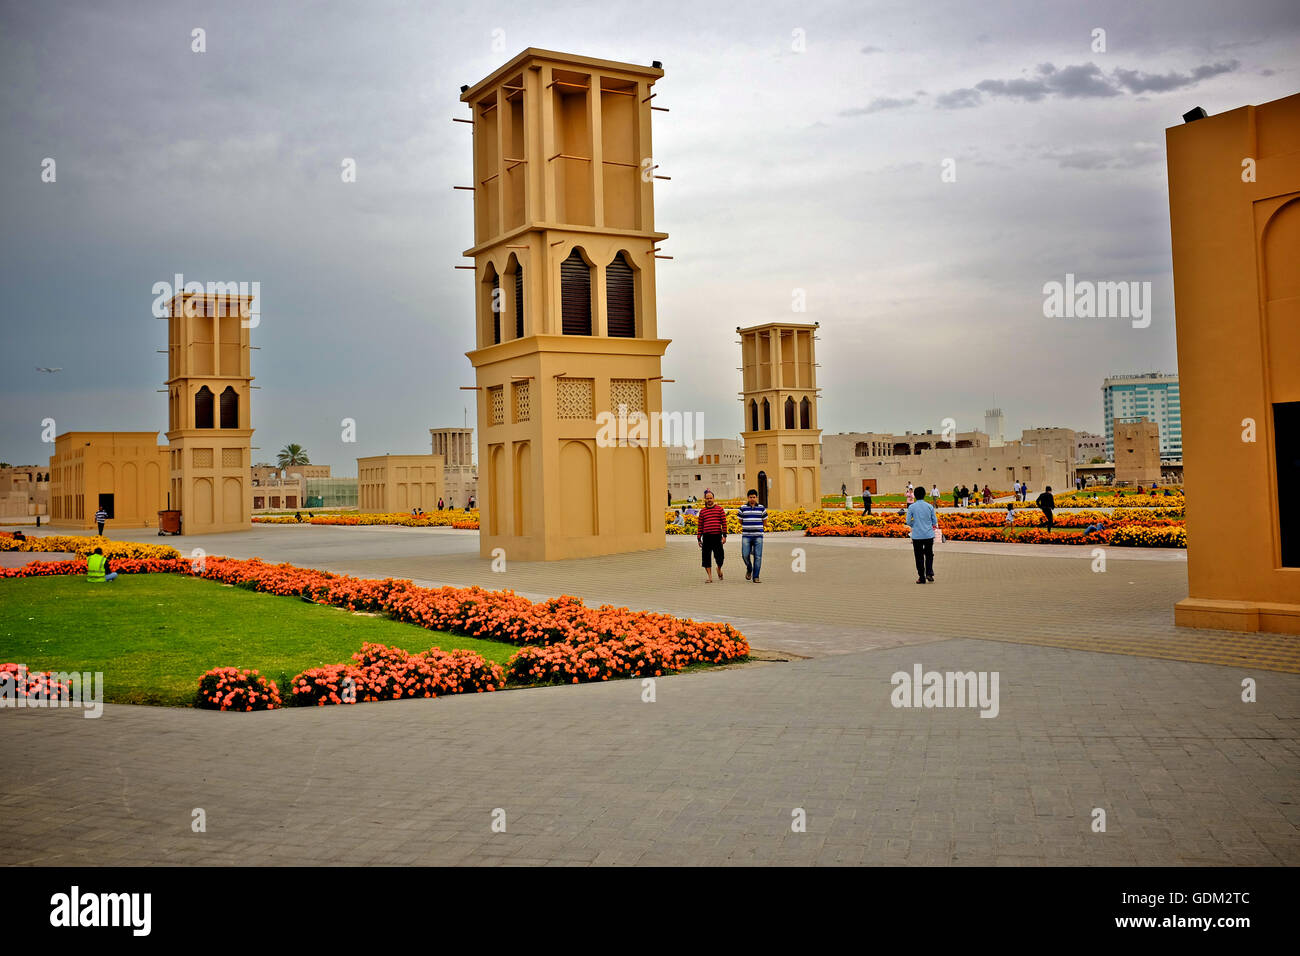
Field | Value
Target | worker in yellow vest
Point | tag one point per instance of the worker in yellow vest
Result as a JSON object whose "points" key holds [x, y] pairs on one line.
{"points": [[97, 568]]}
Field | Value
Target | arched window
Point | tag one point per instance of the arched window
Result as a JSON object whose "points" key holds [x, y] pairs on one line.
{"points": [[767, 416], [789, 412], [805, 413], [229, 408], [575, 295], [620, 298], [203, 408], [753, 415], [519, 301]]}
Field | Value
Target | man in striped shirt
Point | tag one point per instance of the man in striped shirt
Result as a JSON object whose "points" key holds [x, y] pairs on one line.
{"points": [[752, 517], [711, 535]]}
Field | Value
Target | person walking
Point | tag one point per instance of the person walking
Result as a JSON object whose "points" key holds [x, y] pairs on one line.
{"points": [[1046, 502], [922, 519], [965, 497], [956, 496], [1010, 519], [100, 517], [866, 501], [711, 535], [441, 504], [934, 495], [752, 519], [97, 571]]}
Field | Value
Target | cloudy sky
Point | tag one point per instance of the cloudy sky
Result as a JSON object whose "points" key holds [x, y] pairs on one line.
{"points": [[806, 143]]}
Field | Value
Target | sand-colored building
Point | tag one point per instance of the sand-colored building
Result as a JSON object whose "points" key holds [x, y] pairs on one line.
{"points": [[205, 467], [398, 483], [1137, 451], [24, 491], [460, 476], [564, 268], [209, 425], [718, 465], [861, 460], [781, 432], [1234, 210], [125, 473]]}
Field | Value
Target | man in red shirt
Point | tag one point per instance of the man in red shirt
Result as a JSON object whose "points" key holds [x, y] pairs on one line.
{"points": [[711, 535]]}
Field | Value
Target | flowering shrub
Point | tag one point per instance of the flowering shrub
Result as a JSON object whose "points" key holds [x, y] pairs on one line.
{"points": [[319, 686], [460, 518], [83, 545], [228, 688], [18, 680], [591, 643]]}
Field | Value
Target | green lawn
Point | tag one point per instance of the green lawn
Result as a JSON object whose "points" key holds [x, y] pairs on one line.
{"points": [[153, 635]]}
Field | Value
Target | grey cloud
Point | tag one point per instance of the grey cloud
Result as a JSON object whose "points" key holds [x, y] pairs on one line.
{"points": [[958, 99], [1136, 81], [876, 105]]}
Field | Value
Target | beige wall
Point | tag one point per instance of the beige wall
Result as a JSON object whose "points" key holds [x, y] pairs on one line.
{"points": [[1236, 243], [1137, 452], [560, 180], [997, 467], [130, 466], [24, 491], [779, 381], [456, 446], [399, 483], [719, 463]]}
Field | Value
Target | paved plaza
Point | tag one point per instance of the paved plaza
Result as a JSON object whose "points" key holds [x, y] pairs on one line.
{"points": [[1103, 705]]}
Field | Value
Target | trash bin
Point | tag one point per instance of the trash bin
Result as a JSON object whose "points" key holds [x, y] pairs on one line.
{"points": [[169, 522]]}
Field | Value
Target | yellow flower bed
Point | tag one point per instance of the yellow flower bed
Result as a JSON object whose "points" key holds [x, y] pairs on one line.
{"points": [[1139, 536], [430, 519], [778, 519], [82, 546]]}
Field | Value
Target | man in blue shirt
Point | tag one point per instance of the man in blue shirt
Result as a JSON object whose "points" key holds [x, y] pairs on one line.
{"points": [[752, 517], [922, 518]]}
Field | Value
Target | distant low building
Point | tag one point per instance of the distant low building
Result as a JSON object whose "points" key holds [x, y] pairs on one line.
{"points": [[884, 463], [717, 465], [24, 491], [399, 483], [125, 473], [460, 476]]}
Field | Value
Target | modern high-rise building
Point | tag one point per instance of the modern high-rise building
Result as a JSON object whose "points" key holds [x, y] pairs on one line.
{"points": [[1150, 395], [995, 426]]}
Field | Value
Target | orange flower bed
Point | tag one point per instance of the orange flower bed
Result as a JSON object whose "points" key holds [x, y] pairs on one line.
{"points": [[565, 641]]}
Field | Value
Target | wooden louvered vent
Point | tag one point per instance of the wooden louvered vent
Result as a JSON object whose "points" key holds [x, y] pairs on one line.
{"points": [[620, 289], [495, 306], [519, 302], [575, 295]]}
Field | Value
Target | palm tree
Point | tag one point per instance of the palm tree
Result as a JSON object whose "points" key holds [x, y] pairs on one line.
{"points": [[291, 455]]}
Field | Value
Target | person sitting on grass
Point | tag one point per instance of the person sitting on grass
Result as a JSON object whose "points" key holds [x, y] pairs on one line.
{"points": [[97, 571]]}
